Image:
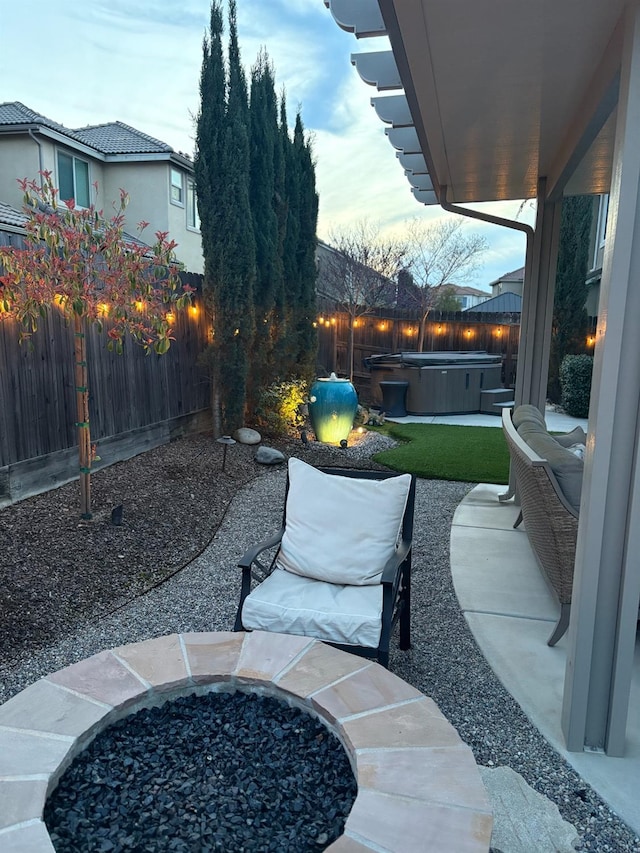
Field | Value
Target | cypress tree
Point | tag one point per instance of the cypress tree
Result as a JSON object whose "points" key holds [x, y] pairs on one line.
{"points": [[263, 143], [236, 323], [209, 179], [222, 180], [306, 334], [258, 210], [288, 349], [290, 236], [281, 204], [569, 325]]}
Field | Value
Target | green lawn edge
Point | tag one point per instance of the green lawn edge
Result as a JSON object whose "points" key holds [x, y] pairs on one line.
{"points": [[467, 454]]}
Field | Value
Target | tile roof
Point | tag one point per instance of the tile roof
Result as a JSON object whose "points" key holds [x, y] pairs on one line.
{"points": [[13, 112], [464, 290], [110, 138], [118, 138], [10, 216], [514, 275]]}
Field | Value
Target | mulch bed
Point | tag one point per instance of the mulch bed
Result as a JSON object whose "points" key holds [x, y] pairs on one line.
{"points": [[58, 571]]}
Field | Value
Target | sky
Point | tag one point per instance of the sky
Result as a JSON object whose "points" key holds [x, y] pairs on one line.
{"points": [[82, 62]]}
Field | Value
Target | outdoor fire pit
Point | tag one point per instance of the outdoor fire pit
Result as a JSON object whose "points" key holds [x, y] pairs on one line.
{"points": [[418, 786]]}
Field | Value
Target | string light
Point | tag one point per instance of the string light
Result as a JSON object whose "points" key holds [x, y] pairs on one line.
{"points": [[194, 310]]}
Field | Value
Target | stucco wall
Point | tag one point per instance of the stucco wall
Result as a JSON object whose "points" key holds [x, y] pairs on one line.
{"points": [[19, 159], [148, 186]]}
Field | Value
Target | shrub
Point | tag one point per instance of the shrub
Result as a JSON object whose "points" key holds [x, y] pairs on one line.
{"points": [[280, 405], [575, 381]]}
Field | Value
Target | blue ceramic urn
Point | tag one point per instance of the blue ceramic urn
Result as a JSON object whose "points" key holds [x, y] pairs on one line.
{"points": [[332, 407]]}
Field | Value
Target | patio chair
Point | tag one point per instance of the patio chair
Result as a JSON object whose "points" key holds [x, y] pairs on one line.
{"points": [[339, 569]]}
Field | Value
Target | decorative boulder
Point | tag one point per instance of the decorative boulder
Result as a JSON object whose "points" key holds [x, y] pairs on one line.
{"points": [[245, 435], [269, 456]]}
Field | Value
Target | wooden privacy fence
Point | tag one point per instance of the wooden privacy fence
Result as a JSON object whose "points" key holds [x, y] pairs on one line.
{"points": [[136, 401], [396, 330]]}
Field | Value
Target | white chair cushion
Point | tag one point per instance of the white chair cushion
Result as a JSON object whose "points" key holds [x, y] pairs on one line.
{"points": [[341, 529], [291, 604]]}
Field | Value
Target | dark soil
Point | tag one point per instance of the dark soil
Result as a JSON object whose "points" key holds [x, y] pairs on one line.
{"points": [[58, 571]]}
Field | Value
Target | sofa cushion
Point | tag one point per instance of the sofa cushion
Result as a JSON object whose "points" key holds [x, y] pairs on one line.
{"points": [[526, 412], [568, 439], [292, 604], [341, 530], [568, 469]]}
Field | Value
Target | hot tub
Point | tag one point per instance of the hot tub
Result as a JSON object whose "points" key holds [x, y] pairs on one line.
{"points": [[439, 382]]}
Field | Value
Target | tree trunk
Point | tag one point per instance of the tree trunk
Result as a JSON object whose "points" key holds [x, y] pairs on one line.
{"points": [[82, 409], [423, 326], [351, 348]]}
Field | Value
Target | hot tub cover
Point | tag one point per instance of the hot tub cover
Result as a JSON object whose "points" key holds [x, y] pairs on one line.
{"points": [[428, 359]]}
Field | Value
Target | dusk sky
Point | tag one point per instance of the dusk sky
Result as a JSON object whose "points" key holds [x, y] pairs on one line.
{"points": [[82, 62]]}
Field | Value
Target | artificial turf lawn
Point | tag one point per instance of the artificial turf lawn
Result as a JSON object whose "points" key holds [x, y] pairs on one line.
{"points": [[442, 452]]}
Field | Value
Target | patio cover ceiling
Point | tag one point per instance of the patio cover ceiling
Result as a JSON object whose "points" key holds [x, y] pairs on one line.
{"points": [[502, 92]]}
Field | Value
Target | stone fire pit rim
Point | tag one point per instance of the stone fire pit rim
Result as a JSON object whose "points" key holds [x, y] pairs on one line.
{"points": [[418, 783]]}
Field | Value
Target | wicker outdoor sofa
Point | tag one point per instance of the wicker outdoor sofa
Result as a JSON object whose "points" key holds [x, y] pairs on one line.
{"points": [[548, 482]]}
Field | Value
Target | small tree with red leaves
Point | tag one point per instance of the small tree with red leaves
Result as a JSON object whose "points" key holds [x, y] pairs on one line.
{"points": [[84, 264]]}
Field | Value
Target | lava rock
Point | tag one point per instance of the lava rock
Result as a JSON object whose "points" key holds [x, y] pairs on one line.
{"points": [[215, 772]]}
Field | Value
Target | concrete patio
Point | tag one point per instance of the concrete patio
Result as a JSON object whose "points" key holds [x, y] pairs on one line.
{"points": [[511, 612]]}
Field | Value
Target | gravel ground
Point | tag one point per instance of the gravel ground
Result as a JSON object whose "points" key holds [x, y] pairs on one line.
{"points": [[445, 663], [58, 571]]}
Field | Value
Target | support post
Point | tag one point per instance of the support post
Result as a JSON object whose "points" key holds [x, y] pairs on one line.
{"points": [[537, 303], [607, 580]]}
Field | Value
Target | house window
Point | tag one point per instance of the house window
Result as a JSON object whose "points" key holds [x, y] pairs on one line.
{"points": [[193, 220], [176, 187], [73, 179], [601, 230]]}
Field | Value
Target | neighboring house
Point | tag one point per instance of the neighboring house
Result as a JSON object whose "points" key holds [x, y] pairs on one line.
{"points": [[12, 228], [596, 252], [12, 222], [468, 297], [504, 303], [159, 180], [510, 282], [345, 281]]}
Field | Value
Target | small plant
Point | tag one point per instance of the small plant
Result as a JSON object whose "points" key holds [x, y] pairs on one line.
{"points": [[281, 407], [575, 381], [368, 417], [84, 265]]}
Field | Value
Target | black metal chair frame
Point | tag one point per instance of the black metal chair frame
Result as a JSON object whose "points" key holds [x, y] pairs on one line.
{"points": [[396, 575]]}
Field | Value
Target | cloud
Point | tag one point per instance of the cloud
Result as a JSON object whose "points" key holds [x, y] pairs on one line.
{"points": [[139, 63]]}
